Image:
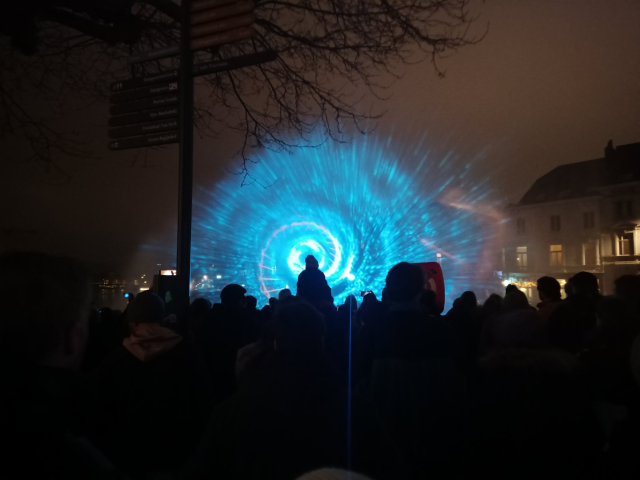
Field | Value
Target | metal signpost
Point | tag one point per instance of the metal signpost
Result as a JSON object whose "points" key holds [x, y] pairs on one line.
{"points": [[158, 109], [185, 166]]}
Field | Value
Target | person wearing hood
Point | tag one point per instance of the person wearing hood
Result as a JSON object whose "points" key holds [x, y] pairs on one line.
{"points": [[313, 287], [153, 392], [413, 380]]}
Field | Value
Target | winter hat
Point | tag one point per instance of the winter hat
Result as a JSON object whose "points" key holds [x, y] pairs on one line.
{"points": [[232, 293], [146, 308]]}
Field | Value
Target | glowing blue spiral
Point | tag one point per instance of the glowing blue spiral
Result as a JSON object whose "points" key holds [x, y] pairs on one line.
{"points": [[358, 208]]}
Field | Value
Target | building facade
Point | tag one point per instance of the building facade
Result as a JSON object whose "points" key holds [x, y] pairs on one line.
{"points": [[581, 216]]}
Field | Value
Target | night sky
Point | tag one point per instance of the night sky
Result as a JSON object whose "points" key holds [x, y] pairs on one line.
{"points": [[551, 83]]}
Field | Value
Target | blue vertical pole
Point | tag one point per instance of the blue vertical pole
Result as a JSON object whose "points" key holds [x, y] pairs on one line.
{"points": [[349, 389]]}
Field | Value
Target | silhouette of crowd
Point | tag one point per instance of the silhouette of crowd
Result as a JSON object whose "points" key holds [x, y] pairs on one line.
{"points": [[387, 388]]}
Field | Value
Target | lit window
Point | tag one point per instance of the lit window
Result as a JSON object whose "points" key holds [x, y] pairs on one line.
{"points": [[521, 256], [556, 255], [625, 243], [555, 223], [589, 219]]}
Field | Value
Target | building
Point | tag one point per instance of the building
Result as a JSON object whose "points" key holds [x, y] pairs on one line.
{"points": [[108, 289], [581, 216]]}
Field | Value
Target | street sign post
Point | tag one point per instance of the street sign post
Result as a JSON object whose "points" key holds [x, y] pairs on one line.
{"points": [[223, 25], [185, 165], [157, 109], [200, 5], [221, 38], [171, 75], [144, 116], [144, 104], [144, 128], [157, 54], [219, 22], [144, 141], [213, 14], [234, 63], [140, 93]]}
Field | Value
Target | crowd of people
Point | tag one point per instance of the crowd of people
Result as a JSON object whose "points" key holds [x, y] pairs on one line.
{"points": [[387, 388]]}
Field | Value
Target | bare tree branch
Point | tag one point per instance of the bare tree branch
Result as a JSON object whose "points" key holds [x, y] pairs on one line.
{"points": [[332, 55]]}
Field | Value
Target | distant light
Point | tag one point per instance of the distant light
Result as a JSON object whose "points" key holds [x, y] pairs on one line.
{"points": [[158, 264], [218, 276], [523, 290], [351, 276], [287, 286], [143, 289], [204, 277], [505, 282], [439, 255], [243, 284], [145, 281]]}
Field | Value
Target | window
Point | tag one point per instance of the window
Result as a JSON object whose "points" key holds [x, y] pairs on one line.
{"points": [[590, 255], [521, 226], [624, 208], [521, 256], [556, 255], [589, 219], [555, 223], [625, 244]]}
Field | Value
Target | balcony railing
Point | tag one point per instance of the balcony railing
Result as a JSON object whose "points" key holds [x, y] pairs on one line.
{"points": [[620, 258]]}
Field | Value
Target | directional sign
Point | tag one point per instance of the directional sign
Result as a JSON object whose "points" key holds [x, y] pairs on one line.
{"points": [[234, 63], [199, 5], [144, 116], [144, 128], [219, 13], [220, 38], [223, 25], [144, 141], [147, 103], [158, 53], [214, 22], [144, 81], [138, 93]]}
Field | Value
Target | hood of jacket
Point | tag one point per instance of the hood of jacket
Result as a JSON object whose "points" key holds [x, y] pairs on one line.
{"points": [[149, 340]]}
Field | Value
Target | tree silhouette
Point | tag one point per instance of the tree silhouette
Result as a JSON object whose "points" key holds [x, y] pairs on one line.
{"points": [[56, 55]]}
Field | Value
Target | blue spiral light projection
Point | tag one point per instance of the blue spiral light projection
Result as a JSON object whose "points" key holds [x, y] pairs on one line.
{"points": [[359, 208]]}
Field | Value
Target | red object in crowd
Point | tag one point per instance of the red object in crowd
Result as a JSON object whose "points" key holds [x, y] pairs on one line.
{"points": [[434, 280]]}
